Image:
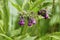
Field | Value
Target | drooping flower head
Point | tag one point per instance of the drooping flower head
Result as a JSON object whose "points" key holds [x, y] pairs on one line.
{"points": [[46, 16], [43, 13], [31, 21], [21, 22]]}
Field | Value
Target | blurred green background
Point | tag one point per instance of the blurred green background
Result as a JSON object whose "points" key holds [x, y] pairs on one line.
{"points": [[44, 29]]}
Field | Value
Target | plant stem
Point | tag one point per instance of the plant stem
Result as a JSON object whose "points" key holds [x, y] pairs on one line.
{"points": [[53, 12], [53, 7]]}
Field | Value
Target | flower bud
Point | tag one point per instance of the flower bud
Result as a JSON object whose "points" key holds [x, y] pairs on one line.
{"points": [[29, 22], [46, 16], [21, 22]]}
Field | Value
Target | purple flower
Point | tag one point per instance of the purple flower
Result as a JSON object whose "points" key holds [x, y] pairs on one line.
{"points": [[29, 22], [21, 22], [41, 12], [46, 16], [33, 21]]}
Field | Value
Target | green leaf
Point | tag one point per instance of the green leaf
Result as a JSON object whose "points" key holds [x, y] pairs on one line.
{"points": [[20, 2], [25, 37], [36, 3], [15, 32], [18, 7], [6, 15], [1, 27], [55, 35], [45, 4], [52, 36], [55, 19], [26, 8], [8, 38], [24, 3]]}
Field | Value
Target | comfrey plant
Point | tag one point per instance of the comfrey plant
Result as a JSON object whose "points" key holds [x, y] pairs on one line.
{"points": [[31, 20], [28, 17]]}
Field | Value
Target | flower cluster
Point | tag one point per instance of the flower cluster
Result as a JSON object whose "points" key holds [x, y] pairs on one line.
{"points": [[31, 20], [43, 13]]}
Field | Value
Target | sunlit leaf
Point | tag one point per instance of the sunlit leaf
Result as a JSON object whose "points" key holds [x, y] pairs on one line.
{"points": [[15, 32], [8, 38], [16, 6], [25, 37]]}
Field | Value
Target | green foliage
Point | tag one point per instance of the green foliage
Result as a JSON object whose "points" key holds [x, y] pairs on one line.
{"points": [[55, 19], [42, 30], [16, 6], [5, 18], [0, 15]]}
